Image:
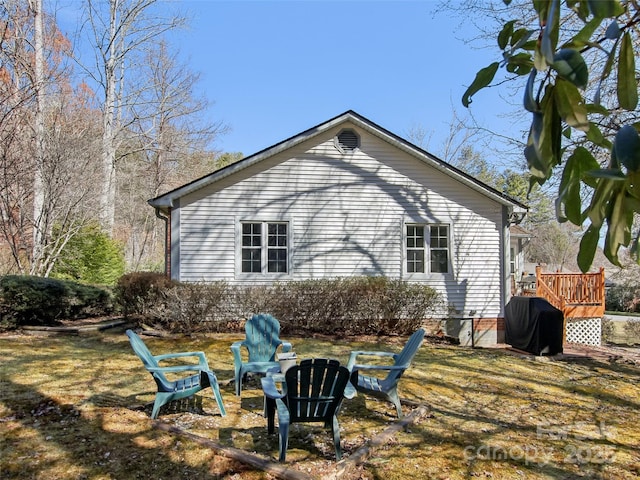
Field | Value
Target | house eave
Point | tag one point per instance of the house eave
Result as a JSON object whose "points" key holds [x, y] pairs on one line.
{"points": [[442, 166], [168, 200]]}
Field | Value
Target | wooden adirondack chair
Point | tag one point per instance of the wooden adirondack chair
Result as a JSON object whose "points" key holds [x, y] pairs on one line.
{"points": [[312, 392], [169, 390], [261, 342], [384, 388]]}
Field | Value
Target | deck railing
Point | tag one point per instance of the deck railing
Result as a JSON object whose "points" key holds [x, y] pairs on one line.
{"points": [[578, 295]]}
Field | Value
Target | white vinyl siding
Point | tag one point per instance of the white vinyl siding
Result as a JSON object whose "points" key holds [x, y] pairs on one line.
{"points": [[348, 215]]}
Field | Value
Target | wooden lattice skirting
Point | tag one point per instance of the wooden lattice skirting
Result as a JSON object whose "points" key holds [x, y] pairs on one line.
{"points": [[584, 331]]}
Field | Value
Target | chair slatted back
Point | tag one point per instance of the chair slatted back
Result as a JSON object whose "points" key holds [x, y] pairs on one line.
{"points": [[262, 337], [405, 357], [148, 360], [315, 389]]}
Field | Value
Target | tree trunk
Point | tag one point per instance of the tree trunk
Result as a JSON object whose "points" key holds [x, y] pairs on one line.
{"points": [[108, 190], [39, 224]]}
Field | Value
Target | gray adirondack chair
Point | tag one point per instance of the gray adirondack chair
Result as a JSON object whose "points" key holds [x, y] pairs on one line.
{"points": [[262, 340], [312, 392], [384, 388], [169, 390]]}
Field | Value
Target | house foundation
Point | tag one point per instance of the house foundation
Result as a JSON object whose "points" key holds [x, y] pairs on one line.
{"points": [[469, 332]]}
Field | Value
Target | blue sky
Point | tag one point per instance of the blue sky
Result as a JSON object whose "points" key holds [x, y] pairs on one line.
{"points": [[272, 69], [275, 68]]}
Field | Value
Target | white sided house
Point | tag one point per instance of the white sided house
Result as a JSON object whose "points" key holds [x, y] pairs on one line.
{"points": [[349, 198]]}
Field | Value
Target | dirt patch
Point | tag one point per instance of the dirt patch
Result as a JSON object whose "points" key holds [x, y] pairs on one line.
{"points": [[607, 353]]}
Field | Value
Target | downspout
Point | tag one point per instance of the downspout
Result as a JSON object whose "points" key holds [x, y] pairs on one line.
{"points": [[167, 242]]}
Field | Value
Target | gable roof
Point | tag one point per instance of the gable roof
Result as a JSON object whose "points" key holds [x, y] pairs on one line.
{"points": [[166, 200]]}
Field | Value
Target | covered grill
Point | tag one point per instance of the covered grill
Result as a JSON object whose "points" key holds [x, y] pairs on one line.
{"points": [[534, 325]]}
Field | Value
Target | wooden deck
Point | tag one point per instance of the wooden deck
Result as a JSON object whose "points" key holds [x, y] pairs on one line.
{"points": [[578, 295]]}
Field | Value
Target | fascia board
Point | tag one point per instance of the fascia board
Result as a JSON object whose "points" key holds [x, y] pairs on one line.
{"points": [[441, 165], [167, 200]]}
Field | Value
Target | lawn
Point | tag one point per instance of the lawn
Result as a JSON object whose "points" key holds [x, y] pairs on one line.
{"points": [[77, 407]]}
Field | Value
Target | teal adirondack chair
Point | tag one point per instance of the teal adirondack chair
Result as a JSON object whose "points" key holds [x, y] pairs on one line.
{"points": [[169, 390], [312, 392], [262, 340], [384, 388]]}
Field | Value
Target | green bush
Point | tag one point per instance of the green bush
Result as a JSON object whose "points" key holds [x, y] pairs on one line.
{"points": [[91, 256], [154, 299], [623, 298], [84, 301], [26, 300]]}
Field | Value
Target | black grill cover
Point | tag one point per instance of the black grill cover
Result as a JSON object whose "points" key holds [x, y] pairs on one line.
{"points": [[532, 324]]}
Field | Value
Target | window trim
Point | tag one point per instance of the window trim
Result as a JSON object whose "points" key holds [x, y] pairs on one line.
{"points": [[264, 247], [427, 248]]}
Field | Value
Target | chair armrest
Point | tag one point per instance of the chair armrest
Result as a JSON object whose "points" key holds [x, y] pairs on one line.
{"points": [[235, 350], [270, 389], [356, 353], [373, 354], [179, 368], [202, 359], [379, 367], [349, 391]]}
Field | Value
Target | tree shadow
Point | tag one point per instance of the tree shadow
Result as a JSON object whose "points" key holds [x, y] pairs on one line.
{"points": [[89, 444]]}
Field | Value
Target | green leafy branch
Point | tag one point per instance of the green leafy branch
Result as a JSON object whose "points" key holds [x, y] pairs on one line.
{"points": [[554, 94]]}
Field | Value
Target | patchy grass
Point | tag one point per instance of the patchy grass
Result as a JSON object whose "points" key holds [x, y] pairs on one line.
{"points": [[625, 332], [78, 407]]}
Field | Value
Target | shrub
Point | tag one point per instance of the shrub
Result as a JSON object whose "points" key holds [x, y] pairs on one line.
{"points": [[191, 307], [306, 305], [92, 257], [346, 306], [354, 306], [632, 331], [623, 298], [26, 300], [607, 330], [30, 300], [138, 292], [85, 301], [177, 307]]}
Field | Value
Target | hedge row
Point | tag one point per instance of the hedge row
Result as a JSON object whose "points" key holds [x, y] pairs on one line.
{"points": [[349, 306], [26, 300]]}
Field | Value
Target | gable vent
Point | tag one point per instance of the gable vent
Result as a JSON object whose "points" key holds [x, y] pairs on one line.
{"points": [[347, 141]]}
